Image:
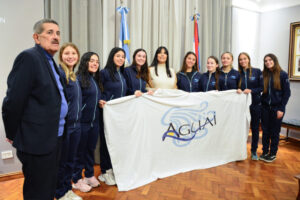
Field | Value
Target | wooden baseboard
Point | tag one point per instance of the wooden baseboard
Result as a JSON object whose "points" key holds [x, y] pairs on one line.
{"points": [[11, 176]]}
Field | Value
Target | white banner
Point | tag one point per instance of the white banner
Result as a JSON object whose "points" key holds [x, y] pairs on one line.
{"points": [[153, 137]]}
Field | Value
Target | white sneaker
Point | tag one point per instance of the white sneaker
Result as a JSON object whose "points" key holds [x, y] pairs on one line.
{"points": [[82, 186], [108, 177], [65, 197], [110, 171], [92, 181], [72, 196]]}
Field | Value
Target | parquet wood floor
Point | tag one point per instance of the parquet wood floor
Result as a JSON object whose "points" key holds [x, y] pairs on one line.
{"points": [[237, 180]]}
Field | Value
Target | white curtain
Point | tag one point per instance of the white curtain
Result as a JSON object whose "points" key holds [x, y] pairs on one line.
{"points": [[94, 25]]}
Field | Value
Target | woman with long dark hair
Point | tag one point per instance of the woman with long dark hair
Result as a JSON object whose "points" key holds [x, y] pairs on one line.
{"points": [[112, 76], [188, 79], [251, 81], [161, 75], [276, 94], [89, 79], [210, 79], [114, 86], [137, 75]]}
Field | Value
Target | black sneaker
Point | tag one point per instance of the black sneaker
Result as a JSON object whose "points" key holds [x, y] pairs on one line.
{"points": [[270, 158], [263, 156]]}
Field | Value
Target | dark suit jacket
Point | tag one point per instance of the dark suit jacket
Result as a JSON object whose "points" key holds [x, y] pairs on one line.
{"points": [[31, 108]]}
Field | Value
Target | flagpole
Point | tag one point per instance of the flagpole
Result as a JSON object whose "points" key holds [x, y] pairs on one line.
{"points": [[196, 42]]}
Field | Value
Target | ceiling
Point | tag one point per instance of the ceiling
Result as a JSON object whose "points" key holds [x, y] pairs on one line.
{"points": [[264, 5]]}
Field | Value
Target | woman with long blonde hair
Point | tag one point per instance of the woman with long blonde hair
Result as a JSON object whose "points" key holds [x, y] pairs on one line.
{"points": [[68, 59], [229, 77]]}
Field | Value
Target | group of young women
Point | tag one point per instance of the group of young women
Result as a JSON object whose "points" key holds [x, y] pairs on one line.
{"points": [[89, 88], [270, 91]]}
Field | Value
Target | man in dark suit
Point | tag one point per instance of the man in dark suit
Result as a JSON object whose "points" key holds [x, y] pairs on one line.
{"points": [[34, 111]]}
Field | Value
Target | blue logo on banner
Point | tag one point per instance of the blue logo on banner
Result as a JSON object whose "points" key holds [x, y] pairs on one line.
{"points": [[187, 124]]}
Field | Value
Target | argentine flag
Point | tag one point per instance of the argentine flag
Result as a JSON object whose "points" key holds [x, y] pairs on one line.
{"points": [[124, 33]]}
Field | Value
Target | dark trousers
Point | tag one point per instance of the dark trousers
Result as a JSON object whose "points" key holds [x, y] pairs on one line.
{"points": [[67, 162], [105, 162], [86, 151], [271, 127], [40, 173], [255, 111]]}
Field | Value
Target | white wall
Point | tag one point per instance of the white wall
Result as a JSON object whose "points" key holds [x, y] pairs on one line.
{"points": [[267, 32], [16, 24], [245, 35], [274, 38]]}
